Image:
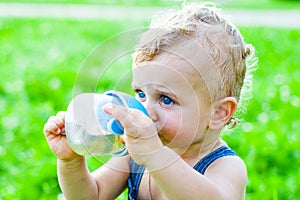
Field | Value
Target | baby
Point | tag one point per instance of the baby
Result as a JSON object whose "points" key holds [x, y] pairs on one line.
{"points": [[188, 72]]}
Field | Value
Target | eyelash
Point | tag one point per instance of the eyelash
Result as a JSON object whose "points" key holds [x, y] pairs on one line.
{"points": [[140, 94], [169, 100], [162, 99]]}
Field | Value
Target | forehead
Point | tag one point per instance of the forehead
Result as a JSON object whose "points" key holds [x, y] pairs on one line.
{"points": [[171, 75], [162, 79], [180, 64], [161, 74]]}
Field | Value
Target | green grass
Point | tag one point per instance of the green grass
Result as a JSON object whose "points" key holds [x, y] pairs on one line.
{"points": [[248, 4], [39, 65], [269, 138]]}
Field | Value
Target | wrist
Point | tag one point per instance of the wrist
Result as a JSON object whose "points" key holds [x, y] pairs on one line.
{"points": [[160, 159], [69, 164]]}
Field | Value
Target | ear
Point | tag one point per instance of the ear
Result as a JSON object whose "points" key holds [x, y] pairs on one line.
{"points": [[222, 111]]}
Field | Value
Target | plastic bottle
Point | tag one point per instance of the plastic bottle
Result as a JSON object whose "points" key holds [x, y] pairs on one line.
{"points": [[91, 131]]}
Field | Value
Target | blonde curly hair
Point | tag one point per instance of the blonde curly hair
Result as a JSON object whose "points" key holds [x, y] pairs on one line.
{"points": [[223, 42]]}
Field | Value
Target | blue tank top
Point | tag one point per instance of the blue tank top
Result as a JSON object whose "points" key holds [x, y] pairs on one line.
{"points": [[136, 171]]}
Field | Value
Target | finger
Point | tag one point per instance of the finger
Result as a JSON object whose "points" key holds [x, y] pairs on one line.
{"points": [[118, 112], [62, 115], [142, 126], [51, 127], [139, 117], [135, 122], [110, 109], [57, 120], [123, 116]]}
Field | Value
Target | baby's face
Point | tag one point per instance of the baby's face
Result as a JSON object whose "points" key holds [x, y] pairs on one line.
{"points": [[174, 99]]}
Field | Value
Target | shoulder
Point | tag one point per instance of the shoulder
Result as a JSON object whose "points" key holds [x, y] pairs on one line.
{"points": [[229, 173]]}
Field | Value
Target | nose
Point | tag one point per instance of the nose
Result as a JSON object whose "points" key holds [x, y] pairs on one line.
{"points": [[152, 111]]}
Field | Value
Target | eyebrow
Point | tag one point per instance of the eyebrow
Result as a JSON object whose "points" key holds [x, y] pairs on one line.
{"points": [[159, 89], [164, 91]]}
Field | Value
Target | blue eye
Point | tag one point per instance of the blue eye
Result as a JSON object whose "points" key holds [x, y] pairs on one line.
{"points": [[140, 94], [167, 101]]}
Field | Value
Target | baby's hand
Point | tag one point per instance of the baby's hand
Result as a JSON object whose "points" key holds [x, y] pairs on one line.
{"points": [[54, 131], [140, 134]]}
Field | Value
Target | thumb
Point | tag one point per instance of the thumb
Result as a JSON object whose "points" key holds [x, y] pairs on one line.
{"points": [[116, 111]]}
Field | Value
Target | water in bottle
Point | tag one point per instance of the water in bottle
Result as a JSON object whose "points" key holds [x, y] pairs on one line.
{"points": [[91, 131]]}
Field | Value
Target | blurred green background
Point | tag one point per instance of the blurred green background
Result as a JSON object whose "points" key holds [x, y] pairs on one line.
{"points": [[40, 61], [248, 4]]}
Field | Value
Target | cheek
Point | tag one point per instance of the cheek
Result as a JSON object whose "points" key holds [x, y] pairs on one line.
{"points": [[183, 126], [171, 125], [178, 123]]}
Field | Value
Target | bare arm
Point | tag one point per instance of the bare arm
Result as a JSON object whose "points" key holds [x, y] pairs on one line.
{"points": [[75, 180], [112, 177], [107, 182], [224, 179]]}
